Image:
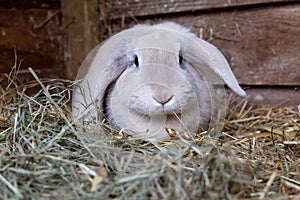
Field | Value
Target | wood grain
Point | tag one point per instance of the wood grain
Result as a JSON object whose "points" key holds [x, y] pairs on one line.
{"points": [[276, 96], [30, 4], [261, 44], [129, 8], [35, 35], [81, 32]]}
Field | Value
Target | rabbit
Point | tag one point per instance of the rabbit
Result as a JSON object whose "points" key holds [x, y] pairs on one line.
{"points": [[149, 78]]}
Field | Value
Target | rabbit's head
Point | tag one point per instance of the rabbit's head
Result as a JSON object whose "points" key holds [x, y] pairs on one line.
{"points": [[150, 78]]}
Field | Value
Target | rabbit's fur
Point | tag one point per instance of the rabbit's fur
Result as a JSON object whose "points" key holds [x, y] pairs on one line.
{"points": [[149, 78]]}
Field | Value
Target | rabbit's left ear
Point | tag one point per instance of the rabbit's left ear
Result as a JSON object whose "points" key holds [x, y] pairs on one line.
{"points": [[199, 52]]}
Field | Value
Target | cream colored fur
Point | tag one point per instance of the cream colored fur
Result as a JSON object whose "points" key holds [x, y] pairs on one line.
{"points": [[149, 78]]}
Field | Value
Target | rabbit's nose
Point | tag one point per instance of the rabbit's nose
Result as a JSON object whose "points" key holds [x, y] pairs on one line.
{"points": [[161, 94], [162, 99]]}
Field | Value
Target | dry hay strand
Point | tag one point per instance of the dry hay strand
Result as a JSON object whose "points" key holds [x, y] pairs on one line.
{"points": [[45, 156], [268, 138]]}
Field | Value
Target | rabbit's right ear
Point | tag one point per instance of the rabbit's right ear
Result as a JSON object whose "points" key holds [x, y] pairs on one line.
{"points": [[101, 68], [89, 95]]}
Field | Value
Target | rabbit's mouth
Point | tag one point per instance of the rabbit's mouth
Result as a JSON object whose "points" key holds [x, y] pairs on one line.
{"points": [[170, 116]]}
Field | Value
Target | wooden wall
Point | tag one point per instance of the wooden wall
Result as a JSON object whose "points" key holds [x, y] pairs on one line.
{"points": [[259, 38], [33, 30], [80, 19]]}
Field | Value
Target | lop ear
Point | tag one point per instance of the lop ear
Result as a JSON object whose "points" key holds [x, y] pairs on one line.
{"points": [[199, 52], [89, 95], [101, 67]]}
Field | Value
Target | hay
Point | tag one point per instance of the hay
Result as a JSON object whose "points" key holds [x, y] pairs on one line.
{"points": [[44, 156]]}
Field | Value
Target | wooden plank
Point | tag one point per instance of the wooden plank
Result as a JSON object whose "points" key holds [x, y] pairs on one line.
{"points": [[39, 62], [81, 32], [129, 8], [261, 44], [30, 4], [35, 35], [277, 96]]}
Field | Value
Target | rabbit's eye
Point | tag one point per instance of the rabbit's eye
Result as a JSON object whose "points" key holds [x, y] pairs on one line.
{"points": [[181, 62], [180, 59], [136, 61]]}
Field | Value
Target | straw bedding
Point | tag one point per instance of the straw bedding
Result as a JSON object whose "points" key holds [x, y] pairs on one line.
{"points": [[44, 155]]}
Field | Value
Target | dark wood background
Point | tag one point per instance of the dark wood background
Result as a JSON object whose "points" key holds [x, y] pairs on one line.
{"points": [[259, 38], [32, 29]]}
